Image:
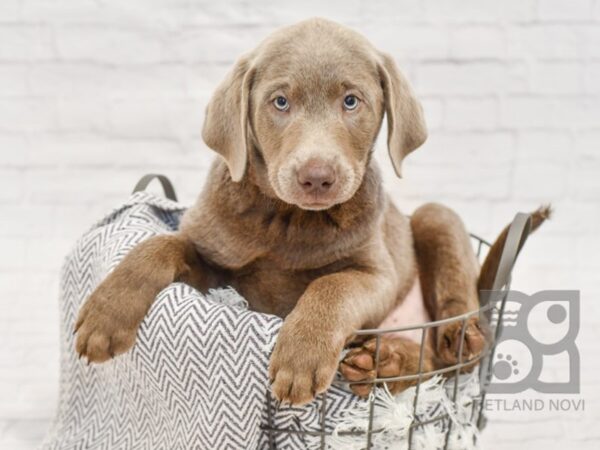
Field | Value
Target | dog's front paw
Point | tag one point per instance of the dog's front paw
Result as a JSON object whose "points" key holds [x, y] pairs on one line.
{"points": [[302, 365], [106, 326], [449, 341]]}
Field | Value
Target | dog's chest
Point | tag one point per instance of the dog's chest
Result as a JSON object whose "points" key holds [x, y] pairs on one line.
{"points": [[280, 241], [271, 259], [269, 289]]}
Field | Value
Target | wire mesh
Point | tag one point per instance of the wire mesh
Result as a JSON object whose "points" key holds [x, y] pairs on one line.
{"points": [[493, 309]]}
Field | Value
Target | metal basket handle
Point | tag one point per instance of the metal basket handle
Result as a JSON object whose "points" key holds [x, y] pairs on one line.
{"points": [[166, 184], [517, 235]]}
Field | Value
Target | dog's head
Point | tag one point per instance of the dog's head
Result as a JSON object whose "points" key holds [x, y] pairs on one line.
{"points": [[310, 101]]}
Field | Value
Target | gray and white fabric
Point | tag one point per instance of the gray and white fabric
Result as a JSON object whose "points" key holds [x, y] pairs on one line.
{"points": [[197, 377]]}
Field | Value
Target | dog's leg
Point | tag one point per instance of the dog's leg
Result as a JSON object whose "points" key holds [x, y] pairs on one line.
{"points": [[448, 270], [309, 343], [108, 321]]}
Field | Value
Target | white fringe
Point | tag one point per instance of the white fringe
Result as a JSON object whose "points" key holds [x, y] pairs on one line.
{"points": [[394, 415]]}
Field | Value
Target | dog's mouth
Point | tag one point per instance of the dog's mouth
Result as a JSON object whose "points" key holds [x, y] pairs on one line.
{"points": [[316, 206], [311, 202], [314, 201]]}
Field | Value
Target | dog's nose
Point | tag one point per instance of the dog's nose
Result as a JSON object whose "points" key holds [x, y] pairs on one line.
{"points": [[316, 177]]}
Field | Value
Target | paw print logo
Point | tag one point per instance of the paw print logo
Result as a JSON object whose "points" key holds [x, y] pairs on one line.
{"points": [[505, 367], [544, 326]]}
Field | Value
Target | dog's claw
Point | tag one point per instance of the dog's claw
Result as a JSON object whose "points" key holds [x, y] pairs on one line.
{"points": [[474, 341]]}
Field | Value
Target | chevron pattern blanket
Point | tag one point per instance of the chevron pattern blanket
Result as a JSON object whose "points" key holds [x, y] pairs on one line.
{"points": [[197, 377]]}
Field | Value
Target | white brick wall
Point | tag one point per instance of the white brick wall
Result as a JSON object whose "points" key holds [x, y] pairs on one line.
{"points": [[95, 93]]}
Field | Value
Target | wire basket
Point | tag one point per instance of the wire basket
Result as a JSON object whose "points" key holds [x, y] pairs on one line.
{"points": [[492, 304]]}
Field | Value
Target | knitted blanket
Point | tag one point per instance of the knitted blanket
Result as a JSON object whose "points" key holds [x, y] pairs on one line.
{"points": [[197, 377]]}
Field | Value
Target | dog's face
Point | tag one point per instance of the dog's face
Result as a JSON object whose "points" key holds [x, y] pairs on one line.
{"points": [[310, 99], [315, 113]]}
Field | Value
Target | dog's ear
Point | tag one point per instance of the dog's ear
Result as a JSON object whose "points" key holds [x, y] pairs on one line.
{"points": [[406, 126], [225, 127]]}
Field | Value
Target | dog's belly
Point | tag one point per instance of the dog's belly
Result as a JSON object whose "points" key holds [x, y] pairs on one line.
{"points": [[411, 311]]}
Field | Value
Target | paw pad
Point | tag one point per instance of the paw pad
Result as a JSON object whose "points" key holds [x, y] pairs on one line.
{"points": [[505, 367]]}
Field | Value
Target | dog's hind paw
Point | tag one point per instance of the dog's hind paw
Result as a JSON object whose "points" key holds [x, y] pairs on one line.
{"points": [[449, 341], [397, 357]]}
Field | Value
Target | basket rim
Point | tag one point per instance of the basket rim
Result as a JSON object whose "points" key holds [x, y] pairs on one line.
{"points": [[425, 325]]}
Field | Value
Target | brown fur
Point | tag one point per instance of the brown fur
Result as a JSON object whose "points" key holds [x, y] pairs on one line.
{"points": [[329, 263], [490, 265], [451, 282]]}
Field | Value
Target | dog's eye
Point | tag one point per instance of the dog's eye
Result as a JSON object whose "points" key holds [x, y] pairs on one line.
{"points": [[350, 102], [281, 103]]}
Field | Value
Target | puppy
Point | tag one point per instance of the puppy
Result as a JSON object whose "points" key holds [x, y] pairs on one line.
{"points": [[293, 214]]}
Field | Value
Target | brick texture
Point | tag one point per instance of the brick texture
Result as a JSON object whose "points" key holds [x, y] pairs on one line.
{"points": [[95, 94]]}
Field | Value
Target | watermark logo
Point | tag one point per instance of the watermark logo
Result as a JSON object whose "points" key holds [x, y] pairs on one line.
{"points": [[537, 336]]}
